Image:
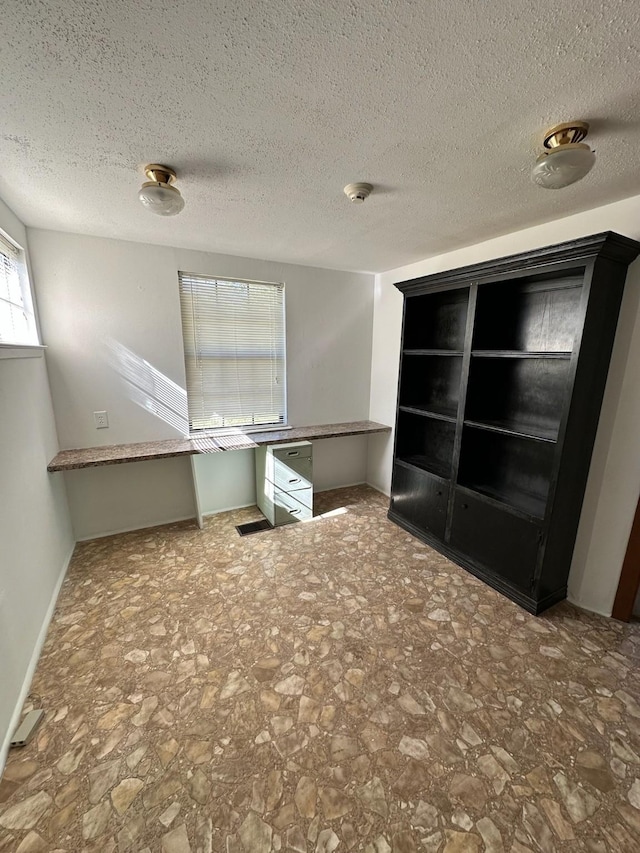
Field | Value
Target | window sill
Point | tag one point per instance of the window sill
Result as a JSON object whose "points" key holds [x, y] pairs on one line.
{"points": [[22, 350], [222, 431]]}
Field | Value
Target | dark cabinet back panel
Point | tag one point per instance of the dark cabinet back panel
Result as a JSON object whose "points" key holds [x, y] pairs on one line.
{"points": [[523, 394], [436, 320], [513, 470], [426, 443], [531, 317], [431, 382]]}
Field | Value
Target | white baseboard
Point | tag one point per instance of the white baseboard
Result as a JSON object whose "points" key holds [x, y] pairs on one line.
{"points": [[582, 606], [227, 509], [341, 486], [33, 662], [135, 528], [387, 494]]}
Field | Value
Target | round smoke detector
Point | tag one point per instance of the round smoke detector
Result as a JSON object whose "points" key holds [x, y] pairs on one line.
{"points": [[357, 193]]}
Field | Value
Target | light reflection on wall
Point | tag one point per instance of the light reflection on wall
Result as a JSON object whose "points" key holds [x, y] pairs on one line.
{"points": [[149, 388]]}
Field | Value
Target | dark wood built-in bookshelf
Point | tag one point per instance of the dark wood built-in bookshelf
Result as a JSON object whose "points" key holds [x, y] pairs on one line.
{"points": [[502, 373]]}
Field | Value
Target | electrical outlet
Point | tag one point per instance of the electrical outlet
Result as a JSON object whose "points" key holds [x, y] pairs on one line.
{"points": [[101, 419]]}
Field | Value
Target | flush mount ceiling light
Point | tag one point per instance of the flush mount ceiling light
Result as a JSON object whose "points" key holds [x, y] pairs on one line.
{"points": [[357, 193], [567, 159], [157, 194]]}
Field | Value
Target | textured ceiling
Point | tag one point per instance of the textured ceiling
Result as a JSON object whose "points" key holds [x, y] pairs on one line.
{"points": [[267, 108]]}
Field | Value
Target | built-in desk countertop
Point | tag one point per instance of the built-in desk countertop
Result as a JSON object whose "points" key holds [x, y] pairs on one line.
{"points": [[115, 454]]}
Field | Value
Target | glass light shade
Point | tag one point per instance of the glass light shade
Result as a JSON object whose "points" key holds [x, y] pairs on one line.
{"points": [[161, 198], [562, 166]]}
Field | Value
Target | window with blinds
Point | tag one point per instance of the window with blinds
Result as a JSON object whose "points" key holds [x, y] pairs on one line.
{"points": [[17, 320], [234, 345]]}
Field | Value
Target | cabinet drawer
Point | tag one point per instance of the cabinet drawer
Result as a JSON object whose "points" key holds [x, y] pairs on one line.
{"points": [[293, 450], [293, 507], [495, 539], [420, 498], [290, 474]]}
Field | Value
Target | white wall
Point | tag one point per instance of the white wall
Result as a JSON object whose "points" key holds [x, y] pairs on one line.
{"points": [[225, 480], [110, 314], [35, 531], [614, 478], [115, 498]]}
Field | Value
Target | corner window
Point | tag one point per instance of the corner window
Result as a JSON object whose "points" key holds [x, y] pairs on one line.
{"points": [[234, 348], [17, 317]]}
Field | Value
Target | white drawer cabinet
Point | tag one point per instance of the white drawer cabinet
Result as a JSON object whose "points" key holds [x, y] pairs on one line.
{"points": [[284, 482]]}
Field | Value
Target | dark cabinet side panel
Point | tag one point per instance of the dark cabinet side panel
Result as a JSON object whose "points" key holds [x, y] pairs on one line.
{"points": [[597, 338]]}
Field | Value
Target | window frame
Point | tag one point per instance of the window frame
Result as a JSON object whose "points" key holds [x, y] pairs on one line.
{"points": [[247, 428], [22, 349]]}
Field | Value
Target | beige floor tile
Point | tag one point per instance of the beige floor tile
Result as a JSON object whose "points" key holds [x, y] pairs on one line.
{"points": [[333, 685]]}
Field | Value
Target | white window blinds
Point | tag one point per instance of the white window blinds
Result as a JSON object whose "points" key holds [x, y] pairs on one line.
{"points": [[234, 343], [17, 322]]}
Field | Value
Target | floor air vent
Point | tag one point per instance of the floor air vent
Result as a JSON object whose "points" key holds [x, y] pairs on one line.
{"points": [[253, 527]]}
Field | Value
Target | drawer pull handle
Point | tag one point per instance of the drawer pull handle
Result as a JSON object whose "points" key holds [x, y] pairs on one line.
{"points": [[293, 452], [294, 511], [295, 480], [439, 492], [465, 506]]}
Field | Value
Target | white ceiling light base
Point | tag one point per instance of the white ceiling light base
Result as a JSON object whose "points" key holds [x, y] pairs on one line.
{"points": [[157, 194], [567, 158], [357, 193]]}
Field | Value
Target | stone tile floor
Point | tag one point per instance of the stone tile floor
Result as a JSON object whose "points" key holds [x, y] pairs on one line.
{"points": [[334, 685]]}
